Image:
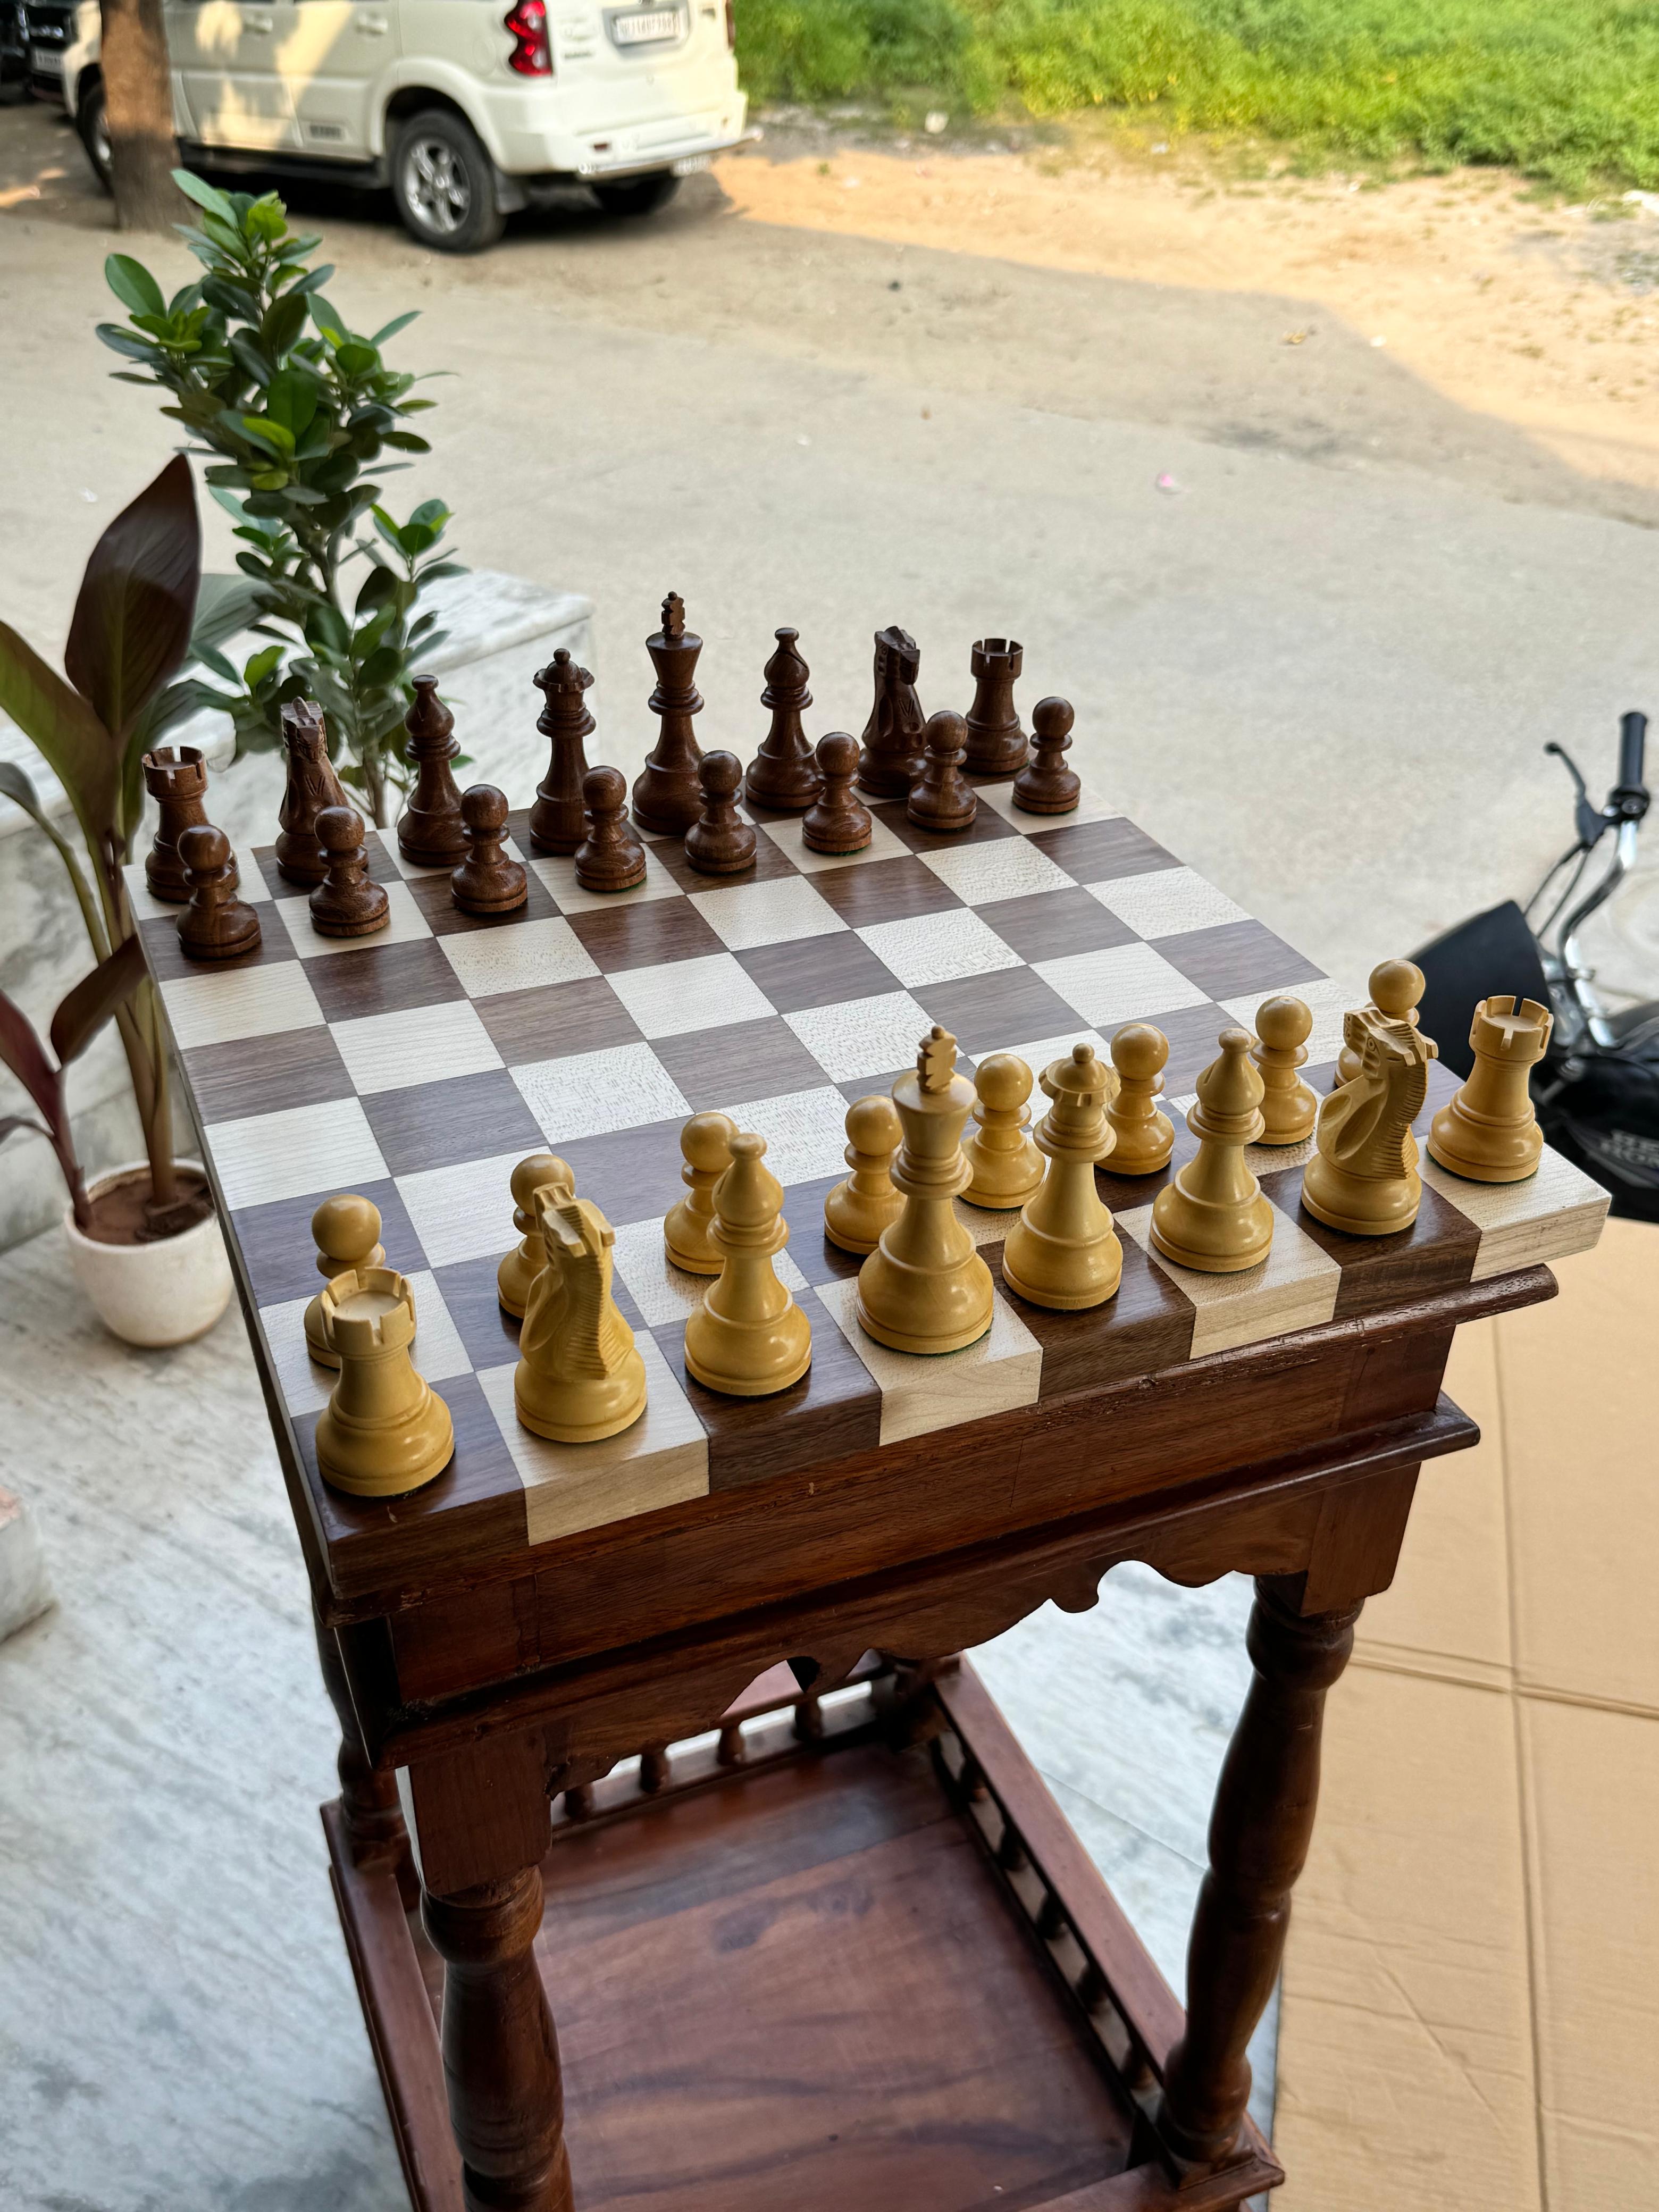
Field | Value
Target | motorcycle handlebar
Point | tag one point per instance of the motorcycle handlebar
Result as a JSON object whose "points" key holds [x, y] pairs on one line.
{"points": [[1633, 750]]}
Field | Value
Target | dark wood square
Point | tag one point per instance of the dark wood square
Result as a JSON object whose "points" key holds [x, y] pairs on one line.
{"points": [[424, 1125], [384, 980], [629, 1173], [552, 1021], [1191, 1032], [490, 1333], [1146, 1324], [1237, 958], [1011, 1006], [1100, 852], [300, 1068], [1124, 1192], [281, 1255], [986, 826], [817, 971], [377, 844], [645, 936], [433, 895], [883, 891], [168, 960], [1049, 925], [818, 1260], [1436, 1253], [706, 1063]]}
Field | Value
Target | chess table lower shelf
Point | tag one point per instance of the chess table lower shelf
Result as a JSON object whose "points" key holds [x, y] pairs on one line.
{"points": [[837, 1972]]}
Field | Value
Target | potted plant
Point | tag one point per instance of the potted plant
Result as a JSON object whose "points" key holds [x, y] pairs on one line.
{"points": [[131, 631]]}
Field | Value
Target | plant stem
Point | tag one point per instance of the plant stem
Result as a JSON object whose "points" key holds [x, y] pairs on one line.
{"points": [[158, 1128]]}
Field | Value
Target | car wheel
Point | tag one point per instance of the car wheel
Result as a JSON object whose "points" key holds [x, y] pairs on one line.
{"points": [[638, 195], [92, 121], [444, 184]]}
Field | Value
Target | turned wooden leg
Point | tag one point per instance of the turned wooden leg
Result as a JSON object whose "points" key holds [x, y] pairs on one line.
{"points": [[501, 2055], [1260, 1831], [369, 1799]]}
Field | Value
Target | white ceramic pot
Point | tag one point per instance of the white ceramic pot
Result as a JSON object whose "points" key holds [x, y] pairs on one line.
{"points": [[153, 1294]]}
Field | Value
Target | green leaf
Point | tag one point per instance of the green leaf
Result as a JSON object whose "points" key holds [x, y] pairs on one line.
{"points": [[95, 1000], [431, 514], [219, 480], [376, 588], [204, 196], [291, 400], [121, 340], [325, 626], [64, 730], [329, 319], [397, 323], [384, 665], [260, 666], [132, 618], [407, 442], [437, 569], [276, 436], [282, 325], [133, 285]]}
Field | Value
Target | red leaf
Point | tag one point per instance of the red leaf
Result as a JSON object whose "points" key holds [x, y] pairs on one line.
{"points": [[94, 998], [132, 620], [20, 1049]]}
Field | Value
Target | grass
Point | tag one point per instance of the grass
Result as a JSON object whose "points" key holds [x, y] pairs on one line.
{"points": [[1566, 91]]}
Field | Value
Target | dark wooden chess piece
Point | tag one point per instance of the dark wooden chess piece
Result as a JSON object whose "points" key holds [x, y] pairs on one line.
{"points": [[894, 746], [487, 881], [176, 778], [939, 798], [430, 832], [1045, 784], [836, 822], [667, 797], [348, 903], [312, 786], [610, 858], [996, 744], [216, 925], [721, 843], [556, 823], [783, 774]]}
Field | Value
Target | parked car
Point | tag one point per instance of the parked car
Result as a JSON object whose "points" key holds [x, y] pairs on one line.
{"points": [[466, 111], [49, 28], [14, 45]]}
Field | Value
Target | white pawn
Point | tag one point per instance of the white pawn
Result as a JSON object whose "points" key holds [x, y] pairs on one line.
{"points": [[1396, 987], [1063, 1251], [859, 1210], [748, 1337], [706, 1146], [1212, 1216], [1007, 1167], [1283, 1026], [1145, 1134], [521, 1266], [348, 1233]]}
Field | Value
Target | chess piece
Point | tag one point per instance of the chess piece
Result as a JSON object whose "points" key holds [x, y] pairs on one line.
{"points": [[667, 797], [706, 1143], [836, 822], [996, 744], [940, 798], [520, 1266], [1396, 986], [579, 1375], [891, 757], [348, 903], [385, 1430], [348, 1233], [1063, 1251], [176, 778], [925, 1288], [1144, 1136], [720, 842], [1212, 1216], [430, 831], [1005, 1164], [1489, 1132], [487, 881], [858, 1210], [216, 925], [610, 858], [1363, 1176], [556, 818], [783, 773], [748, 1337], [311, 785], [1283, 1025], [1045, 784]]}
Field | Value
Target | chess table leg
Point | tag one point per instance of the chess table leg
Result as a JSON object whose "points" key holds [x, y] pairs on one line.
{"points": [[369, 1799], [1260, 1830]]}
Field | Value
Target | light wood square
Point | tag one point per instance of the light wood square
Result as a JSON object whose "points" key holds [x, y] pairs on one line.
{"points": [[920, 1393], [1294, 1287]]}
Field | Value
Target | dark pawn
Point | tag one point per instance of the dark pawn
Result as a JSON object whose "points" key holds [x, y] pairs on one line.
{"points": [[348, 903], [667, 797], [610, 858], [721, 843], [176, 778], [487, 881], [783, 774], [836, 822], [1045, 784], [556, 818], [312, 786], [429, 829], [216, 925], [893, 742], [996, 744], [940, 800]]}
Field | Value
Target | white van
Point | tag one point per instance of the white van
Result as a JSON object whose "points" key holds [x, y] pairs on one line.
{"points": [[467, 109]]}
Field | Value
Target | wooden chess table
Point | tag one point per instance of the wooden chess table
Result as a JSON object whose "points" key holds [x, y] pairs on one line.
{"points": [[664, 1738]]}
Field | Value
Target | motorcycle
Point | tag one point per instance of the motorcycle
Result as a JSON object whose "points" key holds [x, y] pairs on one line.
{"points": [[1596, 1089]]}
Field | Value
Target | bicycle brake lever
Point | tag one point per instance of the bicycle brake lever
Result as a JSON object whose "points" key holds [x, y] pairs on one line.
{"points": [[1587, 817]]}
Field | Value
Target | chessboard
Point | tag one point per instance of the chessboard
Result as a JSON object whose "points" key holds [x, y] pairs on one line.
{"points": [[418, 1065]]}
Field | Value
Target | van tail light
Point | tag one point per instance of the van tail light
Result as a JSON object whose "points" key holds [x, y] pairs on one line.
{"points": [[531, 56], [731, 25]]}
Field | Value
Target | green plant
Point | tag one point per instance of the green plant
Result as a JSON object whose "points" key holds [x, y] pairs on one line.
{"points": [[292, 411], [132, 628], [89, 1005]]}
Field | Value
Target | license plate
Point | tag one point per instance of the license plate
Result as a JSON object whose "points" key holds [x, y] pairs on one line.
{"points": [[641, 30], [44, 63]]}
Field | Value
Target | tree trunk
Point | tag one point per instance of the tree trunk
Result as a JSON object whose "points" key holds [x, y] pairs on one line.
{"points": [[139, 97]]}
